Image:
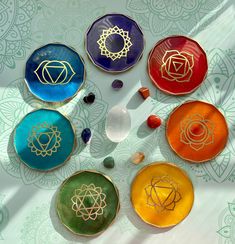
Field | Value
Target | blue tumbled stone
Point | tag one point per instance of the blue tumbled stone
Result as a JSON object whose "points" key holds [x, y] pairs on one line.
{"points": [[86, 135]]}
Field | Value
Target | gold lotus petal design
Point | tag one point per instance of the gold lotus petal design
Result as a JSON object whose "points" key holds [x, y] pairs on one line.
{"points": [[44, 139], [126, 40], [88, 202]]}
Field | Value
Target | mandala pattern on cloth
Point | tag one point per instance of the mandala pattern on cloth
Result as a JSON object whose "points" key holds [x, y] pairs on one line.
{"points": [[218, 89], [15, 29], [226, 230], [169, 17], [4, 216], [16, 102]]}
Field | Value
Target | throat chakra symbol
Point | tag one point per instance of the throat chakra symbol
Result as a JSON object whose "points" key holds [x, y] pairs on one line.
{"points": [[88, 202], [177, 66], [44, 140], [197, 132], [162, 194], [114, 43], [54, 72]]}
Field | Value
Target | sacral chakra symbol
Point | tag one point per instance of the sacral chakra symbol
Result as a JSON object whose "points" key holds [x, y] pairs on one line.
{"points": [[114, 43], [88, 202], [162, 193], [177, 66], [44, 140], [54, 72]]}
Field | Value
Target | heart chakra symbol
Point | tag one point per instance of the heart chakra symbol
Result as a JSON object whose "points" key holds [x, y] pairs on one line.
{"points": [[162, 193], [113, 36], [88, 202], [44, 140], [54, 72]]}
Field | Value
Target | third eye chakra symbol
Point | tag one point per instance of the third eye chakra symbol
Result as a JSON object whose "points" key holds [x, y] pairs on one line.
{"points": [[88, 202], [54, 72], [177, 66], [162, 193], [114, 43], [44, 140]]}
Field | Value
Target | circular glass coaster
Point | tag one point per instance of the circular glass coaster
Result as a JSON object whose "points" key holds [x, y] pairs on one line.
{"points": [[162, 194], [54, 73], [197, 131], [87, 203], [44, 139], [114, 43], [177, 65]]}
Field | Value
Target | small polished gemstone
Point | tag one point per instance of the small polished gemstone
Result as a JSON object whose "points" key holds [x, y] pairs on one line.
{"points": [[90, 98], [118, 124], [137, 158], [144, 92], [109, 162], [117, 84], [86, 135], [153, 121]]}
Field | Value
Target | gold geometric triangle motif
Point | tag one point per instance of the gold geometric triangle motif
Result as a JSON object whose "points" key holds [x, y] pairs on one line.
{"points": [[51, 71], [177, 65]]}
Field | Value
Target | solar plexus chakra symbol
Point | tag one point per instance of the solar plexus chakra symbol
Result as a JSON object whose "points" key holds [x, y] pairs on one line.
{"points": [[108, 36], [197, 132], [177, 66], [44, 140], [88, 202], [162, 193], [54, 72]]}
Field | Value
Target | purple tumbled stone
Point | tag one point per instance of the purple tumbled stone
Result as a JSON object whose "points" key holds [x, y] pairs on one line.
{"points": [[117, 84]]}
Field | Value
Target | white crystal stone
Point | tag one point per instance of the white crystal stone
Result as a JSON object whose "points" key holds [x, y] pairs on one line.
{"points": [[118, 124]]}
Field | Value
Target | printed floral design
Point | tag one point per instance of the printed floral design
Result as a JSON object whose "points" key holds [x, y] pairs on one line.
{"points": [[227, 225], [15, 29], [218, 89], [177, 66], [4, 216], [94, 196], [197, 132], [16, 102], [168, 17]]}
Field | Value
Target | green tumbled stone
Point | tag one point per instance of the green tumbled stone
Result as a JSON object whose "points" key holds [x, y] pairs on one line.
{"points": [[109, 162]]}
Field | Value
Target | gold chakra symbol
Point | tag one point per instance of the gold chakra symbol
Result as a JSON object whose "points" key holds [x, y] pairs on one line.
{"points": [[197, 132], [162, 193], [114, 43], [44, 140], [88, 202], [177, 66], [54, 72]]}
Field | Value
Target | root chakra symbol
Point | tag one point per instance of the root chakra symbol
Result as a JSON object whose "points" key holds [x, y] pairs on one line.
{"points": [[54, 72], [162, 194], [44, 140], [197, 132], [114, 43], [177, 66], [88, 202]]}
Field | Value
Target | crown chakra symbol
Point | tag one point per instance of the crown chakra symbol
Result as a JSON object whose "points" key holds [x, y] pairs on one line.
{"points": [[44, 140], [88, 202], [110, 33], [162, 194], [54, 72]]}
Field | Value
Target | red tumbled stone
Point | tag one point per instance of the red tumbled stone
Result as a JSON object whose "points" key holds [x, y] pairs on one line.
{"points": [[153, 121], [144, 92]]}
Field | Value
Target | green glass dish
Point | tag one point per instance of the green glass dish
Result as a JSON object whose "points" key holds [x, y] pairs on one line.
{"points": [[87, 203]]}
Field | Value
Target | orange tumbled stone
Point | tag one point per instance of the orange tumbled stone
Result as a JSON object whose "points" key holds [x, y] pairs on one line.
{"points": [[137, 158], [144, 92], [153, 121]]}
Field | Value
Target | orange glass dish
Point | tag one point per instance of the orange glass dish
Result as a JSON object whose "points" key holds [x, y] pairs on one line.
{"points": [[162, 194], [197, 131]]}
